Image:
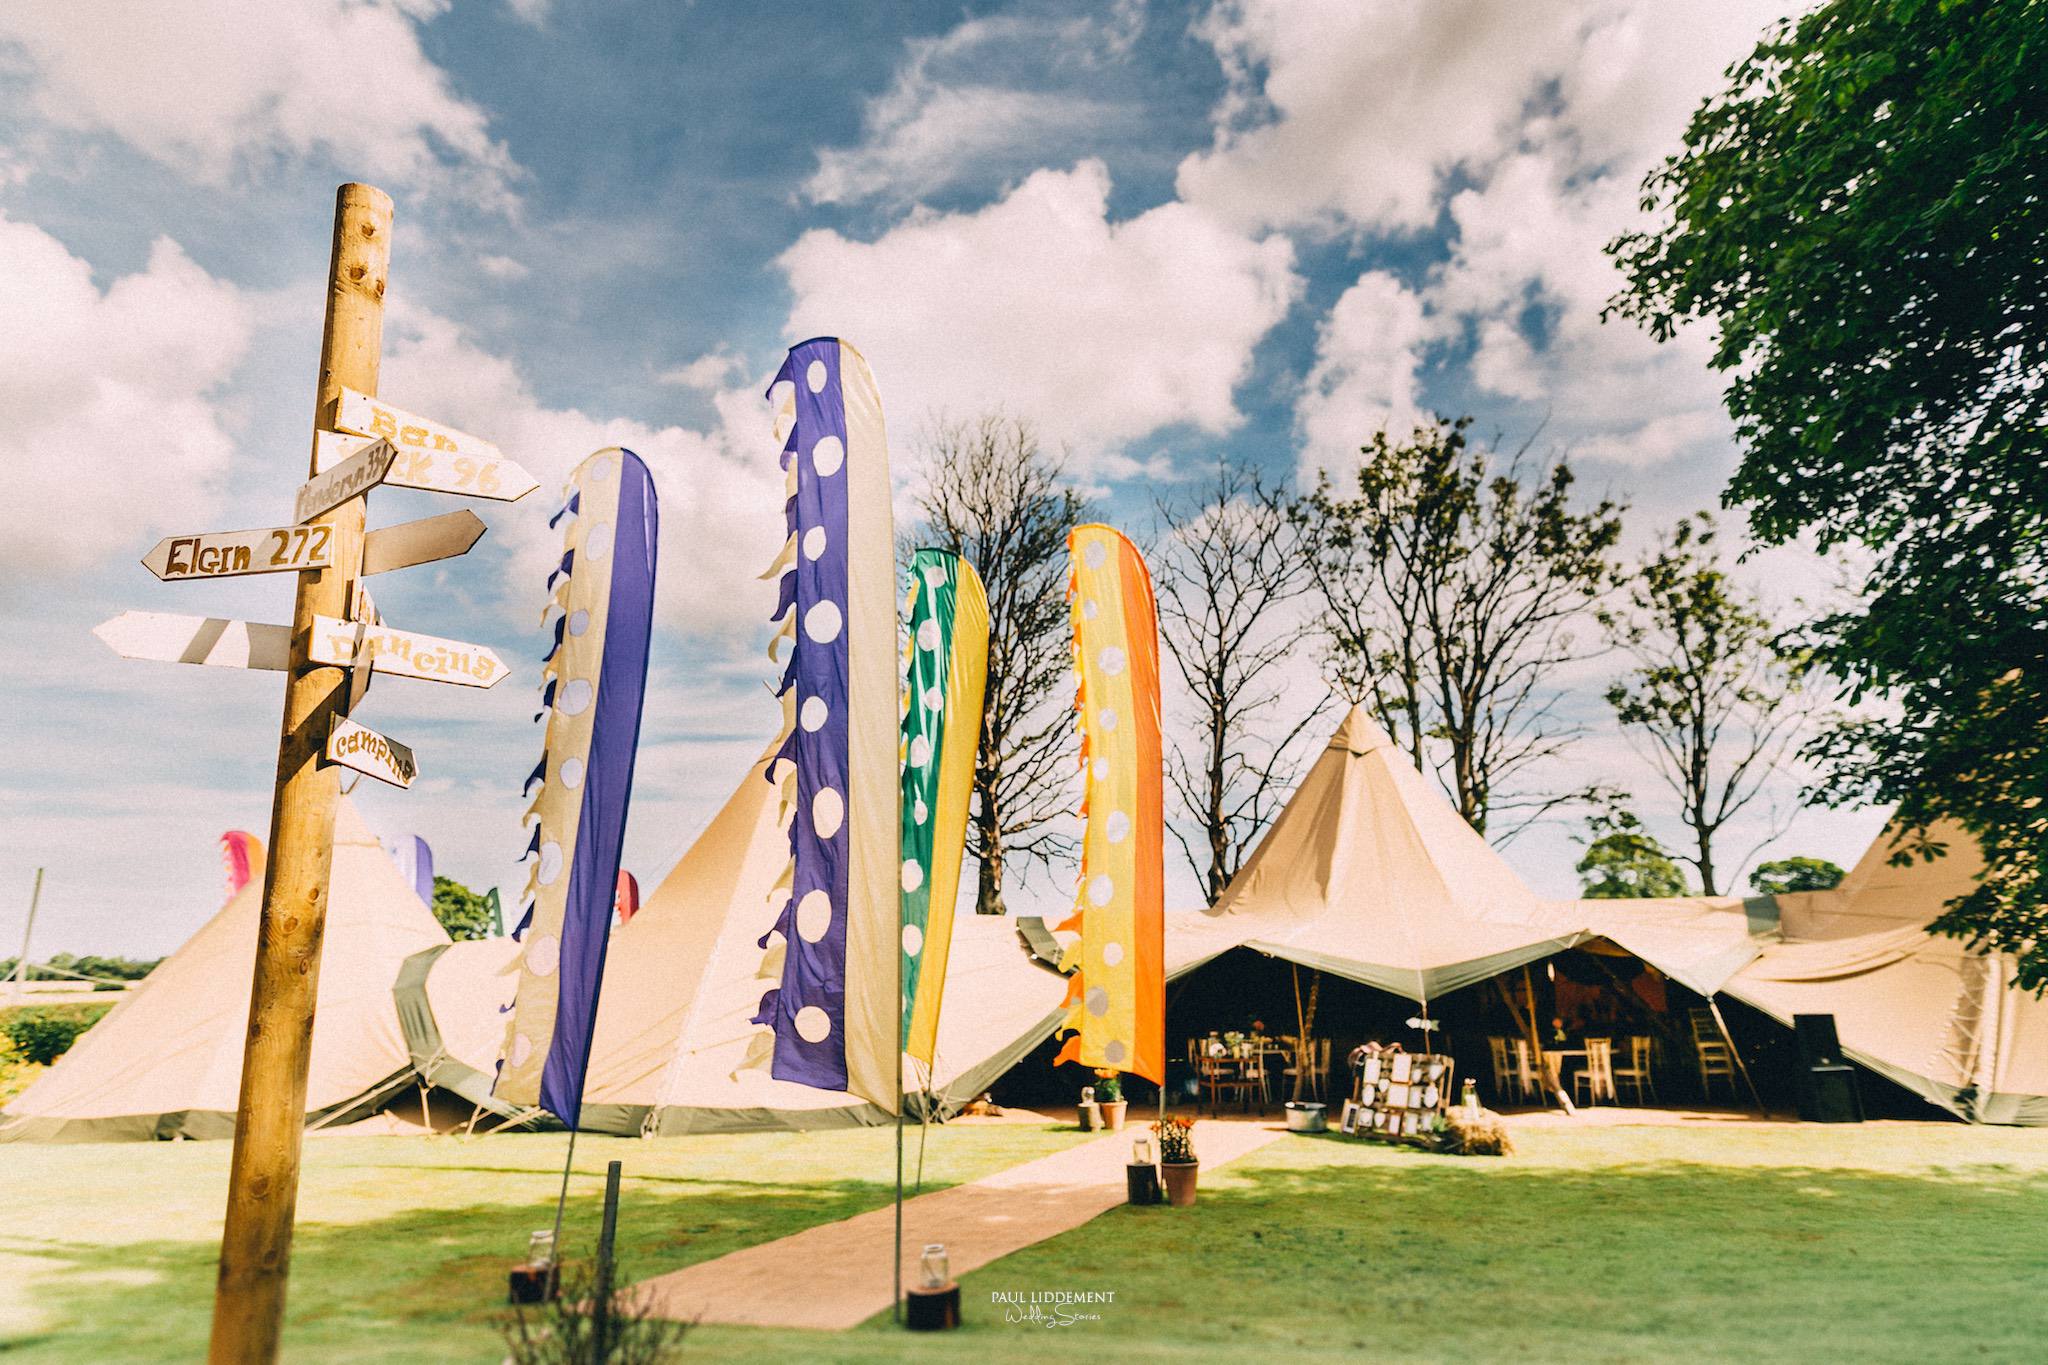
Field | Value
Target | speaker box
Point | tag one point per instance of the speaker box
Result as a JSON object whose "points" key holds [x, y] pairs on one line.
{"points": [[1827, 1082]]}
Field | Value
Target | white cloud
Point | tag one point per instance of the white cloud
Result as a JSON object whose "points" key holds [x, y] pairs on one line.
{"points": [[1525, 132], [109, 421], [712, 370], [990, 93], [720, 491], [1099, 331], [502, 267], [1366, 375], [213, 87]]}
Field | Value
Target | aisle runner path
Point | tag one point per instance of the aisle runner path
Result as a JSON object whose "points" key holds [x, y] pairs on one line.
{"points": [[836, 1276]]}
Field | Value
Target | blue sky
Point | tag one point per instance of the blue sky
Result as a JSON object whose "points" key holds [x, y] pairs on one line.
{"points": [[1163, 233]]}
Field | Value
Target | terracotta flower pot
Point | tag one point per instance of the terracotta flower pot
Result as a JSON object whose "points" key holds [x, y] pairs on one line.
{"points": [[1113, 1114], [1180, 1182]]}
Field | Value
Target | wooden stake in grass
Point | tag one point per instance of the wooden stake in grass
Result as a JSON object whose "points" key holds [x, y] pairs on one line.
{"points": [[270, 1114]]}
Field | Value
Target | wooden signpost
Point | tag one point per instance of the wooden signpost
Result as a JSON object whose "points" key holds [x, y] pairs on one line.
{"points": [[405, 653], [328, 654], [229, 554], [359, 747]]}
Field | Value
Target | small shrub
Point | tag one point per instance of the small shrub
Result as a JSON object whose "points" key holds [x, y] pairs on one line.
{"points": [[41, 1035], [565, 1330], [16, 1074], [1176, 1140], [1109, 1087]]}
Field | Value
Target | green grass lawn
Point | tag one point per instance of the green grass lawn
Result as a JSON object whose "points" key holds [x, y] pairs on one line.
{"points": [[1903, 1242]]}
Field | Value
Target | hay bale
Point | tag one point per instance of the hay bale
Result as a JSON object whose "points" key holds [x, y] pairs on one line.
{"points": [[1465, 1135]]}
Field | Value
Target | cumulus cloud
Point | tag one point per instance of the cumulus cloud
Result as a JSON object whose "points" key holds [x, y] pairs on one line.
{"points": [[1367, 372], [1521, 136], [1100, 331], [988, 95], [110, 424], [216, 87], [720, 489]]}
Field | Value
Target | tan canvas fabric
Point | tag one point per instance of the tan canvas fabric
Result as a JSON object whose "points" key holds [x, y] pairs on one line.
{"points": [[168, 1059], [681, 988]]}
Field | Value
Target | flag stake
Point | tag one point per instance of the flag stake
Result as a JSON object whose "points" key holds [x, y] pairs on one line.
{"points": [[270, 1112]]}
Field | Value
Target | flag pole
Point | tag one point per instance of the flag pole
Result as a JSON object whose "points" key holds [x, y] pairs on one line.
{"points": [[896, 1298]]}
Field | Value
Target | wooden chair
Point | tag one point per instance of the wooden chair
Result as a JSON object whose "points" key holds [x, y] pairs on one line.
{"points": [[1528, 1071], [1595, 1080], [1637, 1075], [1716, 1057], [1507, 1086], [1318, 1069]]}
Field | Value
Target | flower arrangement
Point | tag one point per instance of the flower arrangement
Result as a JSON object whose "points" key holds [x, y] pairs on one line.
{"points": [[1176, 1140], [1109, 1086]]}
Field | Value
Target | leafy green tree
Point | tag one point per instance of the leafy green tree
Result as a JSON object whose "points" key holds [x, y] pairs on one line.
{"points": [[1623, 861], [1711, 697], [1781, 875], [1456, 587], [1862, 215], [464, 913]]}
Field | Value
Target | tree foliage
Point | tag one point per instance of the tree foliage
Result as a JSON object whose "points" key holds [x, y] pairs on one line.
{"points": [[995, 496], [1783, 875], [1623, 861], [1456, 588], [1861, 215], [1712, 697], [464, 913], [1231, 579]]}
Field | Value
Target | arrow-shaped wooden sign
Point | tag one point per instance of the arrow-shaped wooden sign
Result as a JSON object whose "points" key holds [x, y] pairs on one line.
{"points": [[229, 554], [433, 456], [363, 749], [405, 653], [421, 542], [373, 417], [435, 471], [353, 477], [173, 639]]}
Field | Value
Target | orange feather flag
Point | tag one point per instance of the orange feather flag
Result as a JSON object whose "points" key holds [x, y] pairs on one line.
{"points": [[1117, 997]]}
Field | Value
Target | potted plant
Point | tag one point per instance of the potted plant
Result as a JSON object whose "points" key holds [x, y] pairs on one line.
{"points": [[1177, 1164], [1109, 1097]]}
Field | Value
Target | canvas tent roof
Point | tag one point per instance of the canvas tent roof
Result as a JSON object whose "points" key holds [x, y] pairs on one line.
{"points": [[167, 1060], [1923, 1010], [680, 990]]}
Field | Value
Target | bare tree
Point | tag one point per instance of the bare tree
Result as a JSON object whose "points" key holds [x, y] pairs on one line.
{"points": [[1712, 697], [1231, 579], [994, 496], [1453, 584]]}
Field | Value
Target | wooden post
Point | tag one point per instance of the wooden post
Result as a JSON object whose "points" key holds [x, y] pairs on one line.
{"points": [[263, 1177]]}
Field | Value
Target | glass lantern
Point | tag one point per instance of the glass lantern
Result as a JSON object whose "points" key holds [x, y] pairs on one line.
{"points": [[540, 1248], [934, 1269], [1142, 1151], [1087, 1095]]}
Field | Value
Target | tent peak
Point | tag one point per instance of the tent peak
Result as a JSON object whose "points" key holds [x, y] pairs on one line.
{"points": [[1359, 733]]}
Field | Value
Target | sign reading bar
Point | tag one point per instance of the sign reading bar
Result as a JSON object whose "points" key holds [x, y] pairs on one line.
{"points": [[363, 749], [229, 554], [352, 478], [173, 639], [421, 542], [366, 416], [404, 653]]}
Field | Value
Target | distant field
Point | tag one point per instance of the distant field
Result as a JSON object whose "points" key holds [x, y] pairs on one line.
{"points": [[1890, 1242]]}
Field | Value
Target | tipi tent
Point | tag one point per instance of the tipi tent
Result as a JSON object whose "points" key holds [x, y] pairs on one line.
{"points": [[167, 1060], [674, 1025], [1925, 1011]]}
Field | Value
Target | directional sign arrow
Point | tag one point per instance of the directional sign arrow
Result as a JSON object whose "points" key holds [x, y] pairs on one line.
{"points": [[353, 477], [468, 475], [174, 639], [229, 554], [405, 653], [363, 749], [421, 542], [366, 416]]}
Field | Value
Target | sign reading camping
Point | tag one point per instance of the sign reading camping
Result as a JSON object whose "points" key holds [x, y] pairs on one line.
{"points": [[363, 749], [403, 653], [230, 554]]}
